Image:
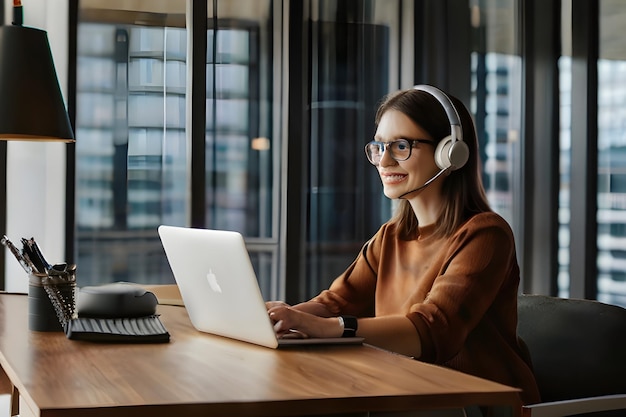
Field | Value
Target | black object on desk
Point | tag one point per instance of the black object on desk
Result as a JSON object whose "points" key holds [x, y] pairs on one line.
{"points": [[116, 313], [116, 300], [148, 329]]}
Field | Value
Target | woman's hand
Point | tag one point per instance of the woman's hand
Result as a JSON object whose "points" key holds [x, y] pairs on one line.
{"points": [[271, 304], [287, 321]]}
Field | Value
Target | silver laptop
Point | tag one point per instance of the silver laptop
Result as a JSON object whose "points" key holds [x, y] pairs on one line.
{"points": [[219, 286]]}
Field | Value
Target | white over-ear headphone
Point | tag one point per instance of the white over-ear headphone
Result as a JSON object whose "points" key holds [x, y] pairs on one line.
{"points": [[451, 153]]}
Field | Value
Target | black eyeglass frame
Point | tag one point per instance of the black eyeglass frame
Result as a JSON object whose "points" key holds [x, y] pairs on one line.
{"points": [[385, 145]]}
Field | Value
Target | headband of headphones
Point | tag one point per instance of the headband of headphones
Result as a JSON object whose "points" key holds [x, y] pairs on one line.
{"points": [[451, 153]]}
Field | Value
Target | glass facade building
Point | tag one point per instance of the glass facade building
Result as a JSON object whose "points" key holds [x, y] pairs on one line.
{"points": [[611, 154]]}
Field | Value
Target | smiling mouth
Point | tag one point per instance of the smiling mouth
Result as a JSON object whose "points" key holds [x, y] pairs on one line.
{"points": [[392, 178]]}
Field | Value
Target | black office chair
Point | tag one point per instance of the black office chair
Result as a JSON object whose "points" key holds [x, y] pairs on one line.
{"points": [[578, 351]]}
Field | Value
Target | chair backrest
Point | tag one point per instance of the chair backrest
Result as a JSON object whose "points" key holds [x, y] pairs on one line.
{"points": [[577, 347]]}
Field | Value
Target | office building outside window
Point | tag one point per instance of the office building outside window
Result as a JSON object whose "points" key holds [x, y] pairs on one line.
{"points": [[131, 150], [496, 105], [612, 154], [132, 169], [611, 175]]}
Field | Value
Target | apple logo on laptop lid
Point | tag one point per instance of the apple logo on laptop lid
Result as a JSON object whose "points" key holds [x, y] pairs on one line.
{"points": [[212, 279]]}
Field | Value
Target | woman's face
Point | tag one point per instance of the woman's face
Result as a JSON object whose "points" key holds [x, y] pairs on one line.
{"points": [[400, 177]]}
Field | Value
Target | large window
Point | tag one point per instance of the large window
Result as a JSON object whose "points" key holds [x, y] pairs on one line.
{"points": [[611, 154], [134, 149], [243, 131], [496, 104], [354, 60], [131, 150], [134, 144]]}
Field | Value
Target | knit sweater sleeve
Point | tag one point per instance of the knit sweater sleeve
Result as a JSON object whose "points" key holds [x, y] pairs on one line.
{"points": [[353, 292]]}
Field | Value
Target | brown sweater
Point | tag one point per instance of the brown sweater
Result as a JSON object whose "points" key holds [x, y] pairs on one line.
{"points": [[460, 292]]}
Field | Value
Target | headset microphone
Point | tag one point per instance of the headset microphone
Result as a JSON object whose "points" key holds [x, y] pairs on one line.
{"points": [[426, 184]]}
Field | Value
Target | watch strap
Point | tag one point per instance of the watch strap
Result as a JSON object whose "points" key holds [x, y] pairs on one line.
{"points": [[350, 326]]}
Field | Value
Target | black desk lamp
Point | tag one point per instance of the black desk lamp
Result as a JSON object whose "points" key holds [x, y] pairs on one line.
{"points": [[31, 103]]}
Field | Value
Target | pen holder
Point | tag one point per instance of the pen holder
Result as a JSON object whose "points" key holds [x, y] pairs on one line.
{"points": [[43, 315]]}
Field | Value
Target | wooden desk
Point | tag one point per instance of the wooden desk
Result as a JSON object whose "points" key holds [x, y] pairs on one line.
{"points": [[198, 375]]}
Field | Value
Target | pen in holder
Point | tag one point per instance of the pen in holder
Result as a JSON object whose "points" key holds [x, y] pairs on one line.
{"points": [[51, 288], [51, 301]]}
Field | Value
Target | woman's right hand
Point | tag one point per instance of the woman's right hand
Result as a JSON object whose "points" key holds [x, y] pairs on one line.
{"points": [[288, 321], [271, 304]]}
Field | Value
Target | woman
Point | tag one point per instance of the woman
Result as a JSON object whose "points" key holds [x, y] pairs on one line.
{"points": [[439, 281]]}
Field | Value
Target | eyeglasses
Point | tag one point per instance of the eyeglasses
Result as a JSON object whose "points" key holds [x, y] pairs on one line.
{"points": [[399, 150]]}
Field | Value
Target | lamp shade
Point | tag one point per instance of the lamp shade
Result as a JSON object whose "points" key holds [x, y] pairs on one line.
{"points": [[31, 104]]}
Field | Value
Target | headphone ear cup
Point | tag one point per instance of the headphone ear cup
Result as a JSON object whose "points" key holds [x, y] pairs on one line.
{"points": [[451, 155], [441, 153], [458, 154]]}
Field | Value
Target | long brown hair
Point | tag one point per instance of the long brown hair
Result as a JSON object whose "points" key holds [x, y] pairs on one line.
{"points": [[463, 188]]}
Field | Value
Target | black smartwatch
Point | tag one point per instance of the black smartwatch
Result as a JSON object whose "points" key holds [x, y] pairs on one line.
{"points": [[350, 325]]}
